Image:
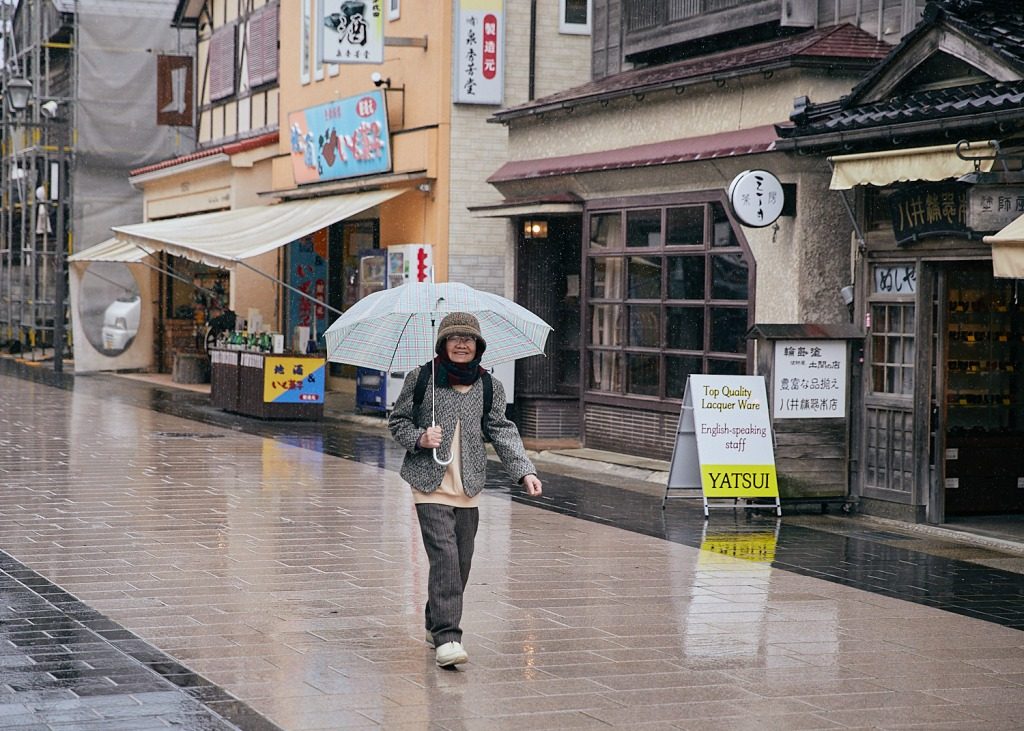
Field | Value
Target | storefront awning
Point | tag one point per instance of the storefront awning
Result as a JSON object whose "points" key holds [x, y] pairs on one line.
{"points": [[1008, 250], [690, 149], [224, 238], [113, 249], [557, 204], [917, 163]]}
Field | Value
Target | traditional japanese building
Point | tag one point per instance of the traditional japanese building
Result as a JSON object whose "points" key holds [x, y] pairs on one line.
{"points": [[926, 151], [617, 195]]}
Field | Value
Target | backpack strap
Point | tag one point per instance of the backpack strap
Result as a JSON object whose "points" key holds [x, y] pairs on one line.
{"points": [[421, 385], [488, 402], [421, 391]]}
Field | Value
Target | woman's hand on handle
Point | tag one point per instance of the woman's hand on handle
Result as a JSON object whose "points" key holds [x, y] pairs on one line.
{"points": [[431, 438]]}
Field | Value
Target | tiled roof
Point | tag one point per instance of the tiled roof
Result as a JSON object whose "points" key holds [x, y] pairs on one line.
{"points": [[932, 105], [824, 46], [994, 24], [232, 148], [723, 144], [998, 24]]}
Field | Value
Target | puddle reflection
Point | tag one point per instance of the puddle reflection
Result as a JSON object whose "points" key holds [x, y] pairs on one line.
{"points": [[745, 542]]}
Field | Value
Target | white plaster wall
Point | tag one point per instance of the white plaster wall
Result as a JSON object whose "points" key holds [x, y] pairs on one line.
{"points": [[701, 110]]}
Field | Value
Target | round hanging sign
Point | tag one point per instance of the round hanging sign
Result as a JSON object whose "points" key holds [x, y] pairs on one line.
{"points": [[756, 198]]}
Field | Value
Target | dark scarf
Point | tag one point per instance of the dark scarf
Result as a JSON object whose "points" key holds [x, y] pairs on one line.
{"points": [[448, 373]]}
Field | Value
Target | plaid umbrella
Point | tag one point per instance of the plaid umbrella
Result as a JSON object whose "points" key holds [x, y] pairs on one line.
{"points": [[393, 330]]}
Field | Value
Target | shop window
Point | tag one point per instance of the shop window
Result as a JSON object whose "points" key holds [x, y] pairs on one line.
{"points": [[728, 277], [644, 326], [656, 314], [574, 17], [643, 228], [729, 329], [678, 369], [686, 277], [606, 278], [604, 371], [605, 231], [685, 226], [723, 235], [685, 328], [892, 348], [643, 374], [644, 273]]}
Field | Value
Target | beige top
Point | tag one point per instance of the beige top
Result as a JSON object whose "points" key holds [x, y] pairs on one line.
{"points": [[451, 491]]}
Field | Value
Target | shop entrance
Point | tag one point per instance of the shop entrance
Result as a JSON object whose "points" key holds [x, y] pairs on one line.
{"points": [[984, 392]]}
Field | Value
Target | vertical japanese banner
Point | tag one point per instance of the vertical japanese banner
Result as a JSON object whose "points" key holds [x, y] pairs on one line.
{"points": [[350, 31], [340, 139], [479, 52], [307, 265]]}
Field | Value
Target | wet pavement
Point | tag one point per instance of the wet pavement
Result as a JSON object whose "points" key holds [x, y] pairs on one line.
{"points": [[193, 568]]}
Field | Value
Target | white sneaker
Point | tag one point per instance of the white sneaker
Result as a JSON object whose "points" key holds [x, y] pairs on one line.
{"points": [[450, 653], [429, 639]]}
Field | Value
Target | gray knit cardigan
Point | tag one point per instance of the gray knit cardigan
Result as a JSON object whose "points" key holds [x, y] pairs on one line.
{"points": [[408, 422]]}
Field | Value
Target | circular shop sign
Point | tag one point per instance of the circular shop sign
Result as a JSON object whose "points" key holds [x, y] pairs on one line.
{"points": [[756, 198]]}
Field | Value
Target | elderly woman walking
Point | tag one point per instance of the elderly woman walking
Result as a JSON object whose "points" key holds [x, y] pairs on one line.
{"points": [[447, 495]]}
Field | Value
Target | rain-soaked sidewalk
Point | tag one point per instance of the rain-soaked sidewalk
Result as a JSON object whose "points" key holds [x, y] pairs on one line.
{"points": [[169, 565]]}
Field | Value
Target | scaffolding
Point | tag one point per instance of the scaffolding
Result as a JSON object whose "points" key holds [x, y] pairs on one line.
{"points": [[37, 160]]}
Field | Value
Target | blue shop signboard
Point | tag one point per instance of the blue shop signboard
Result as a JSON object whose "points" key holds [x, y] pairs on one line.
{"points": [[341, 139]]}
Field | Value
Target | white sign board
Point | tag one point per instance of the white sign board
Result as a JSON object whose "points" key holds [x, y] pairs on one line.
{"points": [[809, 379], [724, 441], [350, 31], [991, 208], [894, 279], [479, 52], [756, 198]]}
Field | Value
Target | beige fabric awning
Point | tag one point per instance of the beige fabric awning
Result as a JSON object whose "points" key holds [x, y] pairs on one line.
{"points": [[224, 238], [917, 163], [1008, 250], [113, 249]]}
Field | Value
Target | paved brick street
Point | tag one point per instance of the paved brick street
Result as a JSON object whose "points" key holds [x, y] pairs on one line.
{"points": [[161, 572]]}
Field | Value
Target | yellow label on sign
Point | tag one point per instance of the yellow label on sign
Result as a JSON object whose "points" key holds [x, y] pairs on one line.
{"points": [[739, 481]]}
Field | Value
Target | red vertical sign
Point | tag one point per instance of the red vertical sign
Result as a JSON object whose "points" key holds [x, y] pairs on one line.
{"points": [[489, 62]]}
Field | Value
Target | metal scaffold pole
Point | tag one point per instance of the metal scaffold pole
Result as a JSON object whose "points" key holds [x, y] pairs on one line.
{"points": [[39, 88]]}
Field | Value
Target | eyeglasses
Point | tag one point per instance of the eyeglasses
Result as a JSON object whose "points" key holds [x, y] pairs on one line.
{"points": [[461, 339]]}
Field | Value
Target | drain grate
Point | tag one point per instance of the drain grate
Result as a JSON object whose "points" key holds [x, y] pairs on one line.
{"points": [[186, 435]]}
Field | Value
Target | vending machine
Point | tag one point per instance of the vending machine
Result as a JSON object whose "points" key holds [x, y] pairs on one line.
{"points": [[371, 385]]}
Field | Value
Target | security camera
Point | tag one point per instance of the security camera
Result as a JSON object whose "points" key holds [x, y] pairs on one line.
{"points": [[49, 109], [379, 80]]}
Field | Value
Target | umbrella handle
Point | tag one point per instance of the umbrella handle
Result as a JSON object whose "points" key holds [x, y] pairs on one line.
{"points": [[443, 463]]}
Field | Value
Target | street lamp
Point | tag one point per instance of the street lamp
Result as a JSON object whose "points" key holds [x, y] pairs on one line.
{"points": [[18, 92]]}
